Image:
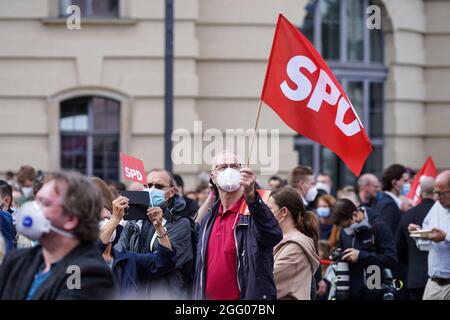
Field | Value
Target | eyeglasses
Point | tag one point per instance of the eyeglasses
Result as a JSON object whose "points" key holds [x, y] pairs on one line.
{"points": [[221, 167], [157, 186], [441, 193]]}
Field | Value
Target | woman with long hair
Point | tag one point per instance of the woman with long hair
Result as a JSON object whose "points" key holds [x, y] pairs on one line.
{"points": [[296, 256]]}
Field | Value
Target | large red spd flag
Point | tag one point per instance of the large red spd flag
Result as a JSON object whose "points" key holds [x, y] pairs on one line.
{"points": [[303, 91]]}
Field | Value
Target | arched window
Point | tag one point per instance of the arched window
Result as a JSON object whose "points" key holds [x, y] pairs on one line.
{"points": [[338, 30], [90, 132]]}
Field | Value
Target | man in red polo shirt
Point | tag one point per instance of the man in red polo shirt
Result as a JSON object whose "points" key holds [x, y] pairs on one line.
{"points": [[235, 259]]}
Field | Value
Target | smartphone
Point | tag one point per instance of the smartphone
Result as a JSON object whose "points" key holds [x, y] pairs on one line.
{"points": [[137, 206], [214, 188]]}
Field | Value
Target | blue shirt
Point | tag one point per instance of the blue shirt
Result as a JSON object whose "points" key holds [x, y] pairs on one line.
{"points": [[39, 279], [439, 252]]}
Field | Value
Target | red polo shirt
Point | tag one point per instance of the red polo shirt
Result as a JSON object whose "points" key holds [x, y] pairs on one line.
{"points": [[221, 269]]}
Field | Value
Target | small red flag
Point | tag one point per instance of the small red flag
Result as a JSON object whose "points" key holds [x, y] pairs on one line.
{"points": [[133, 168], [264, 194], [428, 170], [300, 87]]}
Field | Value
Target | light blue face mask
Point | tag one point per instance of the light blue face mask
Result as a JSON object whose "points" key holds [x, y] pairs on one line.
{"points": [[157, 198], [323, 212], [406, 189]]}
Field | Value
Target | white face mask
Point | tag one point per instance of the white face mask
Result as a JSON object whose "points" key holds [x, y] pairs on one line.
{"points": [[27, 191], [311, 194], [102, 225], [277, 214], [323, 186], [32, 223], [229, 180]]}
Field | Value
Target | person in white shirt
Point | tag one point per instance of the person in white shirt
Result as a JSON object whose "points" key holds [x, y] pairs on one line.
{"points": [[438, 241]]}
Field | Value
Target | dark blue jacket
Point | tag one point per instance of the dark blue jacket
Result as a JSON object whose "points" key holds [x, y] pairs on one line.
{"points": [[390, 212], [7, 229], [376, 247], [255, 237], [132, 269]]}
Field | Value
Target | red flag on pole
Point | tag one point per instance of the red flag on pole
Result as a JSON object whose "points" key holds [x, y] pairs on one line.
{"points": [[300, 87], [428, 170]]}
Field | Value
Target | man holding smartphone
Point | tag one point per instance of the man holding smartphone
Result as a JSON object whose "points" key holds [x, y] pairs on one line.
{"points": [[139, 236]]}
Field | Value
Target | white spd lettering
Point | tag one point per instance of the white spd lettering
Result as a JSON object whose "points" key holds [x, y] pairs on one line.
{"points": [[319, 93], [132, 173]]}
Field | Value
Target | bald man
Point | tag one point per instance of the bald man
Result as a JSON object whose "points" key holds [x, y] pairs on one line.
{"points": [[409, 255], [438, 242], [368, 186]]}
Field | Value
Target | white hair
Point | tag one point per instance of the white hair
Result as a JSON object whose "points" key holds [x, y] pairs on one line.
{"points": [[222, 154], [426, 184]]}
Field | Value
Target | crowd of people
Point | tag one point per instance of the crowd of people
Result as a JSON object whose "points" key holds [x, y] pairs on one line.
{"points": [[67, 236]]}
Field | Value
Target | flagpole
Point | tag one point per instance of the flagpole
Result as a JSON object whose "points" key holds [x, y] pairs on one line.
{"points": [[247, 163]]}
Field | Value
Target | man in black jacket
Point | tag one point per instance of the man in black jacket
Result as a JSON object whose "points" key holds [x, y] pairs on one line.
{"points": [[366, 241], [408, 253], [394, 177], [66, 264], [140, 237]]}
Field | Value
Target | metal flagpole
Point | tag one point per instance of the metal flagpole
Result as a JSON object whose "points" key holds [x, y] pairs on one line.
{"points": [[168, 98]]}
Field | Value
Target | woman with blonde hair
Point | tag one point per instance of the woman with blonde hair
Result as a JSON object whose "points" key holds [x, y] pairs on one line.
{"points": [[295, 257]]}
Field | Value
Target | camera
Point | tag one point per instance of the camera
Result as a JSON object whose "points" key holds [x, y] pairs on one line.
{"points": [[336, 255], [342, 275], [388, 288]]}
